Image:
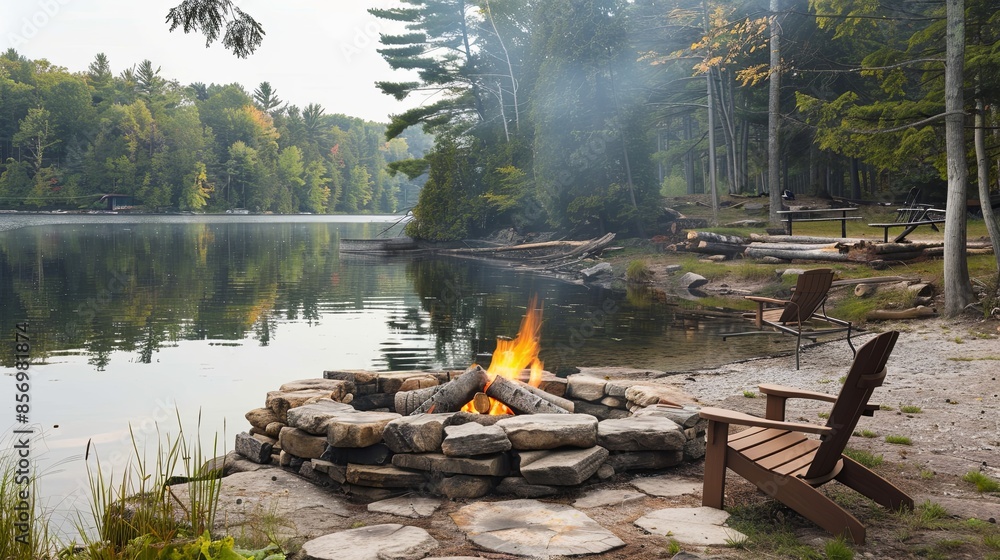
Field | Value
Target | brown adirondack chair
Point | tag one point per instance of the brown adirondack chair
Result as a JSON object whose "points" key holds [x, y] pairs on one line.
{"points": [[781, 460], [793, 316]]}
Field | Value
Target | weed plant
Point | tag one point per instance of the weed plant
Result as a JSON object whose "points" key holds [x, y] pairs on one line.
{"points": [[23, 529], [983, 483]]}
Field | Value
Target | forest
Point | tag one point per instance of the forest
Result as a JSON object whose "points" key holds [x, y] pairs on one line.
{"points": [[66, 138]]}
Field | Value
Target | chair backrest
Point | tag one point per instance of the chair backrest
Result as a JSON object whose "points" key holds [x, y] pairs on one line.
{"points": [[906, 212], [810, 292], [867, 372]]}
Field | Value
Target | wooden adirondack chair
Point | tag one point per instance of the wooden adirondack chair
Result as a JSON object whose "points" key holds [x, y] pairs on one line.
{"points": [[791, 316], [781, 460]]}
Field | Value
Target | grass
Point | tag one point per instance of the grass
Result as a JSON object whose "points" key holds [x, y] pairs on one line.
{"points": [[823, 415], [910, 409], [926, 474], [768, 531], [899, 440], [866, 434], [983, 482], [638, 272], [885, 407], [838, 549], [750, 394], [964, 359], [673, 547], [23, 531], [866, 458]]}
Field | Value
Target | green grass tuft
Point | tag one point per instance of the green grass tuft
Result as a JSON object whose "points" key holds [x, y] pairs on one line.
{"points": [[899, 440], [638, 272], [866, 458], [838, 550], [750, 394], [983, 483], [910, 409], [866, 434]]}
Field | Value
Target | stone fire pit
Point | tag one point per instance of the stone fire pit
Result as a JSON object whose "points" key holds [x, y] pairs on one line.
{"points": [[377, 435]]}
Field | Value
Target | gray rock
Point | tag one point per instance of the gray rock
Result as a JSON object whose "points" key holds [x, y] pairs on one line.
{"points": [[694, 449], [702, 526], [532, 528], [314, 417], [413, 507], [690, 280], [686, 416], [617, 388], [273, 430], [615, 402], [309, 472], [420, 433], [374, 401], [672, 268], [378, 454], [358, 377], [338, 389], [596, 271], [644, 433], [465, 487], [561, 467], [646, 395], [378, 542], [491, 465], [518, 486], [600, 411], [260, 417], [280, 402], [548, 431], [623, 461], [371, 494], [459, 418], [302, 444], [360, 429], [585, 387], [668, 486], [253, 449], [384, 476], [472, 439], [608, 497]]}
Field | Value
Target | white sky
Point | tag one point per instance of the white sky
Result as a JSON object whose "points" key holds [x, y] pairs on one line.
{"points": [[313, 52]]}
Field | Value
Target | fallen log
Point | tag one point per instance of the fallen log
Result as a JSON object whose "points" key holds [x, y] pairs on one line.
{"points": [[804, 239], [918, 312], [716, 248], [823, 253], [888, 248], [453, 395], [519, 399], [873, 280], [715, 237]]}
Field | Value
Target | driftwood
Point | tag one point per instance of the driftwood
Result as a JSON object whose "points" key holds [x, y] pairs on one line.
{"points": [[453, 395], [519, 399], [919, 312]]}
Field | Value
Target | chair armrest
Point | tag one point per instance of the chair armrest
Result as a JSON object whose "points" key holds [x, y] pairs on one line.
{"points": [[762, 299], [793, 393], [732, 417]]}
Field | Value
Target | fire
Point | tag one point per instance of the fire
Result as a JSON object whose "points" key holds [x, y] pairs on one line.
{"points": [[513, 356]]}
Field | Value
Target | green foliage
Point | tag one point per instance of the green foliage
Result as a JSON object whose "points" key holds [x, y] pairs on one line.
{"points": [[910, 409], [866, 434], [23, 527], [898, 440], [838, 549], [983, 482], [750, 394], [638, 272]]}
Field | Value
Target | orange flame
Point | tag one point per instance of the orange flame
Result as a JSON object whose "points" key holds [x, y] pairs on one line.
{"points": [[514, 356]]}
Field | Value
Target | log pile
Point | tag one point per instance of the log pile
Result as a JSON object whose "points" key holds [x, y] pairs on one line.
{"points": [[798, 247]]}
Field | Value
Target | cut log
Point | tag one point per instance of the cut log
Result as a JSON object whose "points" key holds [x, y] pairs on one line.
{"points": [[481, 402], [921, 290], [405, 402], [716, 248], [715, 237], [453, 395], [565, 404], [864, 290], [873, 280], [888, 248], [519, 399], [803, 239], [919, 312], [822, 253]]}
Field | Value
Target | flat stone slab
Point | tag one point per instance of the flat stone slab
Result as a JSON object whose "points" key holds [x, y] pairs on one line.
{"points": [[700, 526], [492, 465], [533, 528], [361, 429], [686, 416], [313, 417], [245, 498], [585, 387], [338, 389], [644, 433], [561, 467], [468, 440], [378, 542], [668, 486], [419, 433], [301, 443], [623, 461], [548, 431], [413, 507], [521, 488], [646, 395], [377, 476], [605, 498]]}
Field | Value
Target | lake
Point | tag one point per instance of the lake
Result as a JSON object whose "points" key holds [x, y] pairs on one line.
{"points": [[136, 320]]}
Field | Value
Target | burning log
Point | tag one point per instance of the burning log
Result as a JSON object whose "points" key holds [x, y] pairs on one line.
{"points": [[453, 395], [519, 399], [406, 402]]}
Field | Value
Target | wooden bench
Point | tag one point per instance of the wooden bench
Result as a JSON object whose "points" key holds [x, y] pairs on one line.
{"points": [[911, 218], [842, 218]]}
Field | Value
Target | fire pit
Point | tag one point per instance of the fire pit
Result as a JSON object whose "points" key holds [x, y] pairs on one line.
{"points": [[512, 428]]}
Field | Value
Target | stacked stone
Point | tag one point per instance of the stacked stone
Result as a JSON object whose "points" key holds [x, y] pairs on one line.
{"points": [[377, 391]]}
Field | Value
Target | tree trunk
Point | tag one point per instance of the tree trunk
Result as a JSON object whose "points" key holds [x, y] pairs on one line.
{"points": [[689, 157], [957, 288], [773, 117], [983, 174], [711, 138]]}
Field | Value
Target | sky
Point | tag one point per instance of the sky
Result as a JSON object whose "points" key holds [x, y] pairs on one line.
{"points": [[313, 52]]}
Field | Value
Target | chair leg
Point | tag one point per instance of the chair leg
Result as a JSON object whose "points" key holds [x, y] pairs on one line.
{"points": [[867, 483], [798, 345], [714, 487], [803, 498], [854, 351]]}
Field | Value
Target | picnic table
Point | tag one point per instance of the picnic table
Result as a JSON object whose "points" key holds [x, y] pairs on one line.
{"points": [[910, 218], [804, 215]]}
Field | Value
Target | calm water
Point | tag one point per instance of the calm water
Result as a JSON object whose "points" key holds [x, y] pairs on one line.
{"points": [[134, 320]]}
